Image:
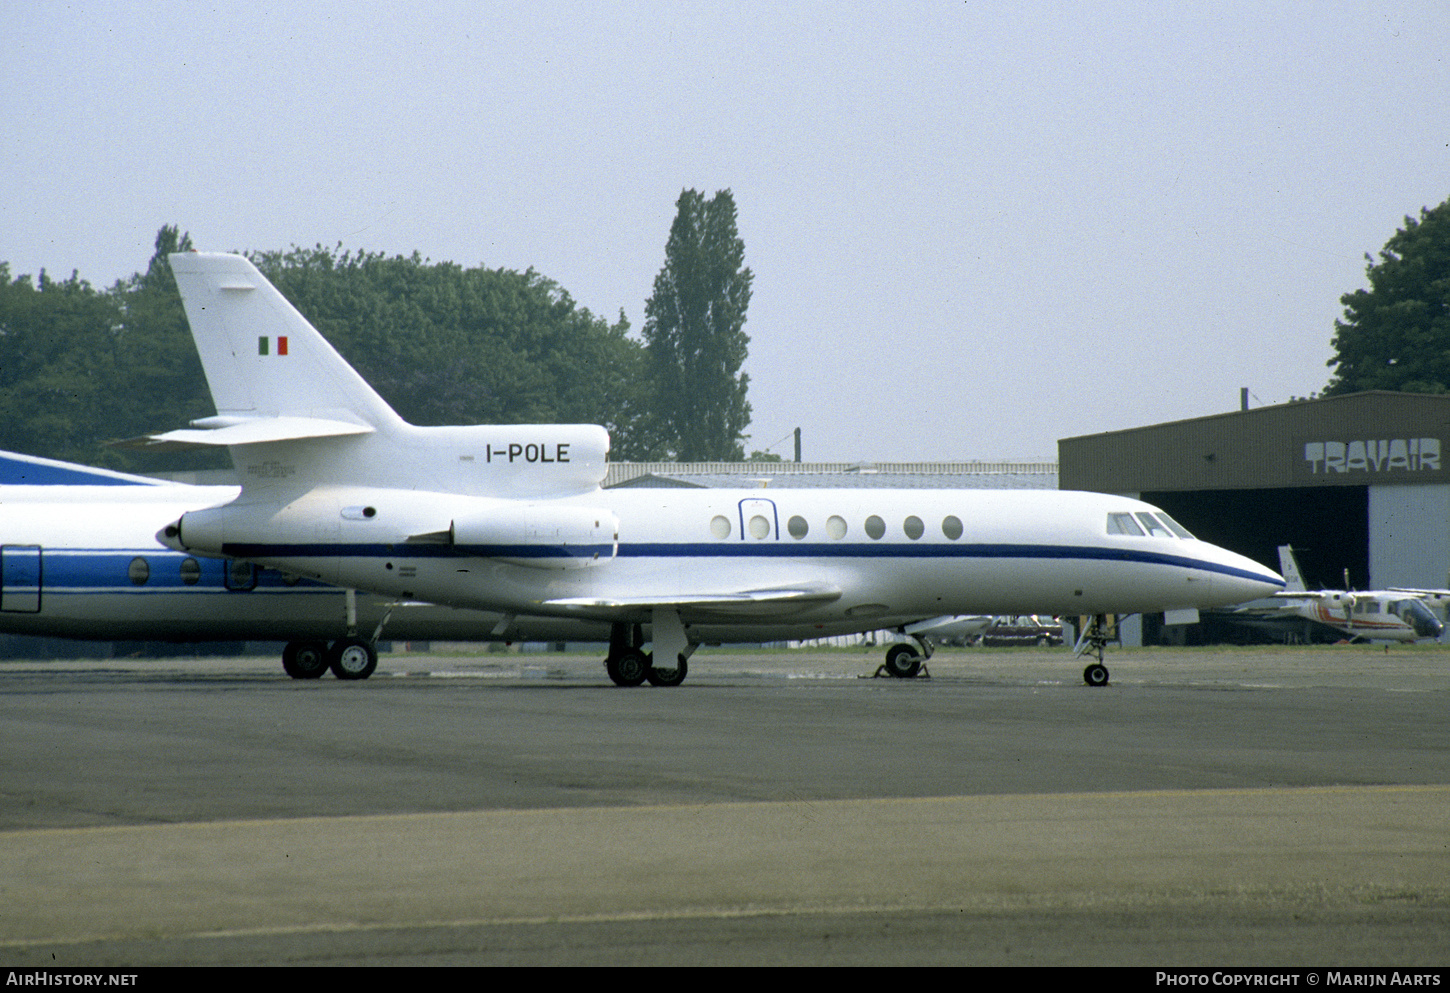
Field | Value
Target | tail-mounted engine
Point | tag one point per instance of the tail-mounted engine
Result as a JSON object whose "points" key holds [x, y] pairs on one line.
{"points": [[542, 537]]}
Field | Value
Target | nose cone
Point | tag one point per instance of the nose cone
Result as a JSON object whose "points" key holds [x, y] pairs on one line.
{"points": [[1424, 623], [170, 536], [1240, 579]]}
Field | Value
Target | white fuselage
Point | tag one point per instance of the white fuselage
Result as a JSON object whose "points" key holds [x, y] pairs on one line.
{"points": [[852, 559], [1372, 616]]}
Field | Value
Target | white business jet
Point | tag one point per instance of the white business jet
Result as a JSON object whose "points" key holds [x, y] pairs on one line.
{"points": [[79, 559], [511, 519]]}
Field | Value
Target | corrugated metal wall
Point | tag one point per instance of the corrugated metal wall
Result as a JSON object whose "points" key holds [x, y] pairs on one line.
{"points": [[1363, 439]]}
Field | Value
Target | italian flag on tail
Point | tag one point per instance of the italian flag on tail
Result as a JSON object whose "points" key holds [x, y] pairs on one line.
{"points": [[269, 345]]}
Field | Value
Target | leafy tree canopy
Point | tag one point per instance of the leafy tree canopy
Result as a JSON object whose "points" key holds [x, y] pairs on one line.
{"points": [[1396, 334], [694, 334]]}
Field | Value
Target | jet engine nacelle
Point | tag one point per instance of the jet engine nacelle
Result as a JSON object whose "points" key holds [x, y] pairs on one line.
{"points": [[308, 527], [539, 536], [200, 532]]}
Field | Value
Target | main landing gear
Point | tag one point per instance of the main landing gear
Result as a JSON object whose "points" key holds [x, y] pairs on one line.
{"points": [[629, 665], [348, 658], [1093, 641], [907, 659], [351, 657]]}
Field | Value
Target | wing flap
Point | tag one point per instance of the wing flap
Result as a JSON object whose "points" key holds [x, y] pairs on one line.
{"points": [[772, 600]]}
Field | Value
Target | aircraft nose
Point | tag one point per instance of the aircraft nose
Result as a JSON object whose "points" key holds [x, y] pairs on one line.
{"points": [[1246, 579], [1426, 624], [170, 536]]}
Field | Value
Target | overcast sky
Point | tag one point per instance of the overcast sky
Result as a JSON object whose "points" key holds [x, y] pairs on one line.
{"points": [[975, 228]]}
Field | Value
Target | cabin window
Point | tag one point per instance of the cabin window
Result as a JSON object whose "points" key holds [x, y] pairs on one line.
{"points": [[190, 571], [875, 527], [720, 526], [913, 527], [1154, 526], [759, 527], [951, 526], [241, 575], [1123, 524], [836, 527], [139, 571], [797, 527]]}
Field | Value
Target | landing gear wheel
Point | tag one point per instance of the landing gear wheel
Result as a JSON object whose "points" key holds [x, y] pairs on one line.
{"points": [[1095, 674], [902, 661], [629, 669], [352, 658], [667, 677], [304, 659]]}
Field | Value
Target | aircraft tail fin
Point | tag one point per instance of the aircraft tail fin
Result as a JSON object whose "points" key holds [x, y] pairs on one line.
{"points": [[296, 416], [264, 360], [1289, 567]]}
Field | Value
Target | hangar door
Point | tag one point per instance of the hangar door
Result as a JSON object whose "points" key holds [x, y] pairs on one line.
{"points": [[1327, 525]]}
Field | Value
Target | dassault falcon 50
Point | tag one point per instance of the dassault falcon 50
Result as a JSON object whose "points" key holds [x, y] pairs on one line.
{"points": [[512, 519]]}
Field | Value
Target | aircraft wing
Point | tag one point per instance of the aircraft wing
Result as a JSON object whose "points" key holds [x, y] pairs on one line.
{"points": [[765, 601], [1434, 594], [1266, 613]]}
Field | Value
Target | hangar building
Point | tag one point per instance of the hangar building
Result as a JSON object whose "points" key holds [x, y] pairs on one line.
{"points": [[1358, 482]]}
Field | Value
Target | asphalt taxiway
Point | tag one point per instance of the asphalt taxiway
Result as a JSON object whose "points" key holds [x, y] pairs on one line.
{"points": [[1257, 807]]}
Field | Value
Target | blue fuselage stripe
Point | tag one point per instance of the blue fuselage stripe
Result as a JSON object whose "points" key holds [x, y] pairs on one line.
{"points": [[761, 550], [71, 570]]}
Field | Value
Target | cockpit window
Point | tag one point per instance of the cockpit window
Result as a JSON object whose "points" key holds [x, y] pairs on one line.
{"points": [[1154, 527], [1123, 524], [1174, 526], [1158, 525]]}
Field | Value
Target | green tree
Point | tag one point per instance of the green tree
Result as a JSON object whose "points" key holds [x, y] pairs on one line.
{"points": [[694, 335], [80, 368], [55, 345], [158, 381], [1396, 334]]}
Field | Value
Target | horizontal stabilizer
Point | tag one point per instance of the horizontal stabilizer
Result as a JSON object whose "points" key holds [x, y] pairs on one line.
{"points": [[250, 431]]}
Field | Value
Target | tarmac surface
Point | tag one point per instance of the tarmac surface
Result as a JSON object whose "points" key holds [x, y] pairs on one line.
{"points": [[1278, 806]]}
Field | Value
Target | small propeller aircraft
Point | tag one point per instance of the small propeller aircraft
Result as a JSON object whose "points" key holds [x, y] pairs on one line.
{"points": [[1394, 614]]}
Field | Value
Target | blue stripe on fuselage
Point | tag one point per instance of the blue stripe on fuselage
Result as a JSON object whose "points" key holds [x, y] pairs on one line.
{"points": [[91, 569], [743, 550]]}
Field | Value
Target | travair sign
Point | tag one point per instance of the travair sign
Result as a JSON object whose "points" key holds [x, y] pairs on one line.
{"points": [[1377, 460]]}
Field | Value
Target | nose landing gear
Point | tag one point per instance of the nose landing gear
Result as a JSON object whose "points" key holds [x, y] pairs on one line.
{"points": [[907, 659], [1093, 642]]}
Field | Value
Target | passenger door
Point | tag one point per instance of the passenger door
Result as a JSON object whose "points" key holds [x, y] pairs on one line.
{"points": [[20, 579]]}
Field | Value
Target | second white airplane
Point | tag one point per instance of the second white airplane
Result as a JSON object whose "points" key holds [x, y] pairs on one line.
{"points": [[512, 519], [1362, 615]]}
